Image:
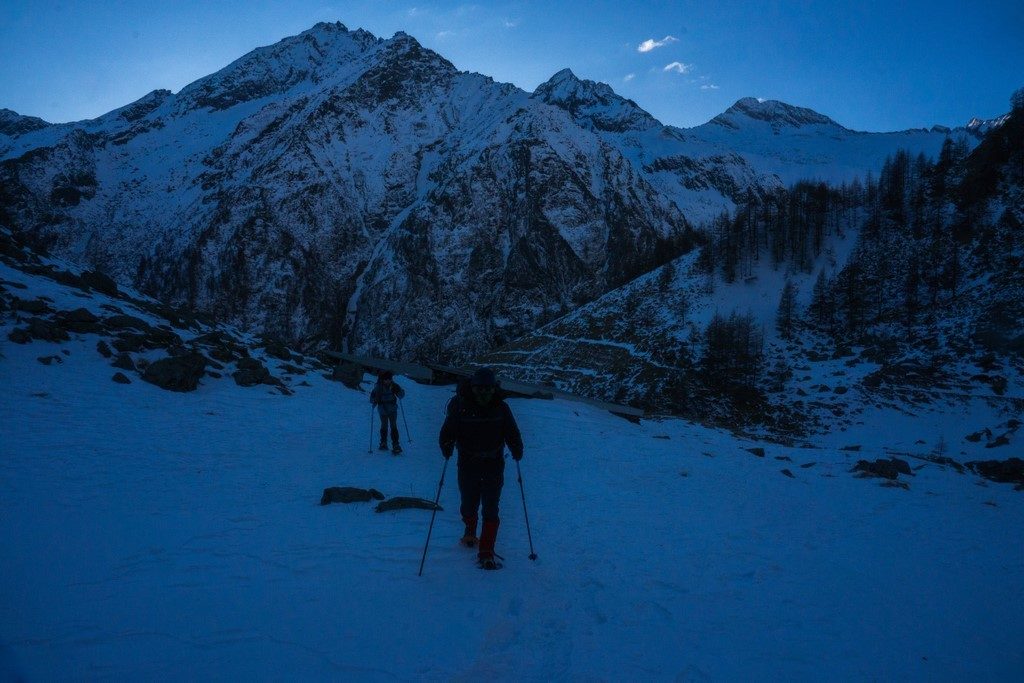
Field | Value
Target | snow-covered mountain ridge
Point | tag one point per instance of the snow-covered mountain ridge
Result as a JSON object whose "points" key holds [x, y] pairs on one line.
{"points": [[338, 187]]}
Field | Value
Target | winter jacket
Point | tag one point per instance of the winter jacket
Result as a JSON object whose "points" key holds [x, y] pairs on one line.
{"points": [[479, 431], [386, 399]]}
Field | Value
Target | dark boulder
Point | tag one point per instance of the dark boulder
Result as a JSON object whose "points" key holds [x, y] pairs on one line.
{"points": [[276, 349], [103, 349], [180, 373], [162, 337], [100, 282], [1003, 471], [126, 322], [124, 362], [80, 320], [976, 436], [120, 378], [1002, 440], [250, 373], [349, 494], [47, 330], [888, 469], [222, 354], [33, 306], [130, 342], [404, 503], [19, 335], [759, 452]]}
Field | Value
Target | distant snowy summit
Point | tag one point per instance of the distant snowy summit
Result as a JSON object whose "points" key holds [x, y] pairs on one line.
{"points": [[980, 127], [594, 103], [12, 123], [777, 114]]}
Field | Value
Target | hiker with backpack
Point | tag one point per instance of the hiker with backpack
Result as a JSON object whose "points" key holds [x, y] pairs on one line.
{"points": [[480, 424], [385, 396]]}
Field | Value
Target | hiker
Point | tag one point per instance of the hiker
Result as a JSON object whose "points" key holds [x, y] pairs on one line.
{"points": [[385, 396], [480, 424]]}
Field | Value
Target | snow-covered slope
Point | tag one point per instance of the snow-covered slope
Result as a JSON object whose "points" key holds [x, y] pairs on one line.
{"points": [[795, 143], [756, 146], [882, 309], [342, 187], [157, 534], [346, 189]]}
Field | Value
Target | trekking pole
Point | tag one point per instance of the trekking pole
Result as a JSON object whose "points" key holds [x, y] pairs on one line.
{"points": [[533, 555], [433, 515], [408, 436], [370, 449]]}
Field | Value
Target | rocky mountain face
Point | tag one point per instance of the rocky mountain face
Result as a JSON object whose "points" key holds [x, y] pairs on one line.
{"points": [[338, 188], [343, 188]]}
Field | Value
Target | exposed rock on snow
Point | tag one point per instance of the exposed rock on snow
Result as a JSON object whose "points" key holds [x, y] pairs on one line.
{"points": [[407, 503], [889, 469], [1004, 471], [180, 373], [250, 373], [349, 494], [80, 320]]}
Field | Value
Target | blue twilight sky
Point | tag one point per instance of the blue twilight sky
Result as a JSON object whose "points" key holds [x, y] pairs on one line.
{"points": [[870, 65]]}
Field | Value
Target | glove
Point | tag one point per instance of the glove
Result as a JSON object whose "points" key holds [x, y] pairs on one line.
{"points": [[517, 456], [446, 454]]}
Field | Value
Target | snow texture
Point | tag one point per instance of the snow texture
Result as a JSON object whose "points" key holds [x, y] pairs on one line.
{"points": [[156, 535]]}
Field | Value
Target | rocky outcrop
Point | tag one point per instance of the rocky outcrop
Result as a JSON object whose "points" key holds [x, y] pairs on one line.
{"points": [[886, 468], [181, 373], [406, 503], [1004, 471], [349, 494]]}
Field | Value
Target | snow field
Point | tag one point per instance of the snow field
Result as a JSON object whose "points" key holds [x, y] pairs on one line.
{"points": [[166, 536]]}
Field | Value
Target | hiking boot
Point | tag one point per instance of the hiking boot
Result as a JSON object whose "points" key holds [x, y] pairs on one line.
{"points": [[487, 538], [383, 445], [469, 538], [396, 449]]}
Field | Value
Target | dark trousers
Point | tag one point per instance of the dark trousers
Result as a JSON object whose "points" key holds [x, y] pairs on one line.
{"points": [[480, 482], [385, 420]]}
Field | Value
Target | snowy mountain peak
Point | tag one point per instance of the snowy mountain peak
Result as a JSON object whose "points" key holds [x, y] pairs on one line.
{"points": [[312, 56], [980, 126], [594, 103], [141, 107], [12, 123], [778, 114]]}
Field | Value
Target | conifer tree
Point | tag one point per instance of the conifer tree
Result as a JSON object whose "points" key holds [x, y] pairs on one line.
{"points": [[787, 310]]}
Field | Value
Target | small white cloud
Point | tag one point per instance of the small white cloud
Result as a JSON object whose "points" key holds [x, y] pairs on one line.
{"points": [[709, 87], [511, 23], [629, 77], [678, 67], [441, 35], [761, 100], [651, 43], [415, 11]]}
